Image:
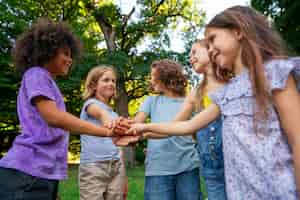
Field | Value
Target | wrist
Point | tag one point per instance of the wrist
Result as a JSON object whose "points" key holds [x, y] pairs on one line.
{"points": [[147, 127], [108, 133]]}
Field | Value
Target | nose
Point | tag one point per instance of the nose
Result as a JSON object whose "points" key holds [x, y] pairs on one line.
{"points": [[112, 83], [210, 49]]}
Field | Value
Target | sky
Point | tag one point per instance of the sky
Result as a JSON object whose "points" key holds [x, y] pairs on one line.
{"points": [[211, 7]]}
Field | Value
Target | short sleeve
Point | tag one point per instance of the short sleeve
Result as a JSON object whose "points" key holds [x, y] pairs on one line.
{"points": [[296, 71], [146, 105], [277, 73], [38, 82], [89, 102], [217, 96]]}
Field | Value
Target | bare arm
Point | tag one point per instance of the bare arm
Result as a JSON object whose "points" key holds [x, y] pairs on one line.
{"points": [[287, 102], [98, 113], [61, 119], [187, 108], [141, 117], [180, 128]]}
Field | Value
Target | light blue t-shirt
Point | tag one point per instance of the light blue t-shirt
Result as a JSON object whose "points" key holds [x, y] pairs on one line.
{"points": [[97, 148], [172, 155]]}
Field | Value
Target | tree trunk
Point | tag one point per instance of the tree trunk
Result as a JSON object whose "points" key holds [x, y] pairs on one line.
{"points": [[109, 33], [122, 110]]}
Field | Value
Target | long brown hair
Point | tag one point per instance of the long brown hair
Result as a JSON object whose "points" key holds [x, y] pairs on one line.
{"points": [[260, 43], [199, 91]]}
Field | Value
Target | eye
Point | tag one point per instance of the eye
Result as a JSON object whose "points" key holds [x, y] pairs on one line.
{"points": [[67, 52]]}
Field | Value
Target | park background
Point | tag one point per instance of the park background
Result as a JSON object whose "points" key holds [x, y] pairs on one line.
{"points": [[128, 34]]}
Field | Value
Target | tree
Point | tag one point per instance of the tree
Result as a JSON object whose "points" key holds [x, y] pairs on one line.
{"points": [[98, 22], [15, 17], [122, 37], [286, 16]]}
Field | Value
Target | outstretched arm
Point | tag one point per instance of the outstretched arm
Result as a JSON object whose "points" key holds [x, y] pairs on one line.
{"points": [[140, 118], [180, 128], [287, 102], [61, 119], [98, 113], [186, 109]]}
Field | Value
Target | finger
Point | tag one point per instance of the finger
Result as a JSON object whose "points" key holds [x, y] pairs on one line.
{"points": [[125, 124], [129, 131], [121, 130], [130, 121]]}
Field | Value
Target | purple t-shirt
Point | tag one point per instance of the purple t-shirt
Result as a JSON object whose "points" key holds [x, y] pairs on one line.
{"points": [[40, 150]]}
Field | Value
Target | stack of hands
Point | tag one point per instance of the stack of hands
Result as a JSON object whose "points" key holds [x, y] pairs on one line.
{"points": [[125, 131]]}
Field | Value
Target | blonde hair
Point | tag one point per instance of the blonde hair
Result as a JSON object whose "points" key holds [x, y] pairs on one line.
{"points": [[199, 90], [92, 78]]}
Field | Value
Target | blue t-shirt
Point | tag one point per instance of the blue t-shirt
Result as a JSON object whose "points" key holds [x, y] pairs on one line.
{"points": [[172, 155], [95, 148]]}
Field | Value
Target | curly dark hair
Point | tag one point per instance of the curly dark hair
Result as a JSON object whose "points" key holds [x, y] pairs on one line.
{"points": [[39, 44], [170, 74]]}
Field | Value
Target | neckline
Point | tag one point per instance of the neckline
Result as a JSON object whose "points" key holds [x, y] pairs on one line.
{"points": [[173, 98], [238, 76]]}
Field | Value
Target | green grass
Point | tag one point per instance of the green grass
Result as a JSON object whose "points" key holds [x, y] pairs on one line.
{"points": [[68, 190]]}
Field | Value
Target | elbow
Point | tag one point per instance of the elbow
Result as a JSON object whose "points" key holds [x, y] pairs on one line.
{"points": [[53, 120]]}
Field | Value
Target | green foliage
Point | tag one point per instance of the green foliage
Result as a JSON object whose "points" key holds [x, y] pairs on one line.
{"points": [[132, 65], [286, 16]]}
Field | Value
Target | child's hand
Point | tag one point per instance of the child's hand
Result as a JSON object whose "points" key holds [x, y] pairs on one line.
{"points": [[111, 124], [136, 129], [122, 125], [118, 126], [126, 140]]}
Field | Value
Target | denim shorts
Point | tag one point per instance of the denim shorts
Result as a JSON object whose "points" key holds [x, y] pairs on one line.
{"points": [[182, 186], [16, 185]]}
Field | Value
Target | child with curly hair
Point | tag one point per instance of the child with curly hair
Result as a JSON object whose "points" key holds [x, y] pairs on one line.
{"points": [[178, 178], [37, 159]]}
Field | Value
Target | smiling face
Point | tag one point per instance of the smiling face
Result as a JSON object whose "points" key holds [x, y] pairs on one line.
{"points": [[106, 86], [223, 47], [61, 63], [199, 57]]}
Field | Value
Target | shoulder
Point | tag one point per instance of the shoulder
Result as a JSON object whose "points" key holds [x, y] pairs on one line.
{"points": [[278, 70], [238, 87], [278, 65], [37, 73], [150, 99], [98, 103]]}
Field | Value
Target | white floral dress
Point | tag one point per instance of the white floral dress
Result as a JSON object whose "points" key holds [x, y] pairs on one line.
{"points": [[257, 165]]}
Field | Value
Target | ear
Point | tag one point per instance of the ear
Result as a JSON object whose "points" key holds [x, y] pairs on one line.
{"points": [[93, 87], [238, 34]]}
